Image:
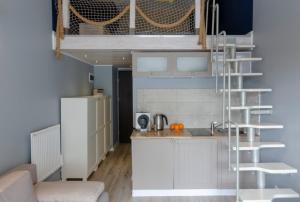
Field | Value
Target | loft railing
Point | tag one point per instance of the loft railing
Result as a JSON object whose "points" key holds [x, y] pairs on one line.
{"points": [[123, 17]]}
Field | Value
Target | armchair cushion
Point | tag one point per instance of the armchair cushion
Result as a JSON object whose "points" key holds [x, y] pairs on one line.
{"points": [[69, 191], [16, 187]]}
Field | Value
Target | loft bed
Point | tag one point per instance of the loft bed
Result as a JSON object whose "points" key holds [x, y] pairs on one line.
{"points": [[131, 25]]}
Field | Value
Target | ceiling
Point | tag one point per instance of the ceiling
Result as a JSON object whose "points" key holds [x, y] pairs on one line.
{"points": [[97, 57]]}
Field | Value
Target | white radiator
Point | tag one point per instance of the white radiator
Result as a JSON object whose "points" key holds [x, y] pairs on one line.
{"points": [[45, 151]]}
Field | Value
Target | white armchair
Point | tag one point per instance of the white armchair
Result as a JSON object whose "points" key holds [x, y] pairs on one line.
{"points": [[20, 185]]}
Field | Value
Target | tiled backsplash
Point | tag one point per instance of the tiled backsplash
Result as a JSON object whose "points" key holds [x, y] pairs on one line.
{"points": [[196, 108]]}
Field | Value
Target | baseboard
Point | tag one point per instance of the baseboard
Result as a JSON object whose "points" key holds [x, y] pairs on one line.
{"points": [[184, 192]]}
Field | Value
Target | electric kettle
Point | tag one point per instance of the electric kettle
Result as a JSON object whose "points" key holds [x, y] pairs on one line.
{"points": [[159, 121]]}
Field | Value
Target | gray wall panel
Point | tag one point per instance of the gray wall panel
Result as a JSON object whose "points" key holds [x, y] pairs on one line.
{"points": [[31, 79], [103, 79], [276, 29]]}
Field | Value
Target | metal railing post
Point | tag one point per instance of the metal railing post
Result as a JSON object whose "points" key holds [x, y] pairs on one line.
{"points": [[224, 78], [229, 106], [237, 163], [207, 12]]}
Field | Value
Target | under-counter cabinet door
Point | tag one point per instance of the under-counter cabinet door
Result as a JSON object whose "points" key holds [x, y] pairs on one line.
{"points": [[152, 164], [196, 164], [192, 64]]}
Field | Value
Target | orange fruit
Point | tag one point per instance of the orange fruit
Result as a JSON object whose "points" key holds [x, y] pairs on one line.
{"points": [[181, 126], [176, 126]]}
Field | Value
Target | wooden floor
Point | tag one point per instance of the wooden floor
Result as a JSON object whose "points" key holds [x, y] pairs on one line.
{"points": [[115, 172]]}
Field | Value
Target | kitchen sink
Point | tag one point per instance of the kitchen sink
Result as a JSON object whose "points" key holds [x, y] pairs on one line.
{"points": [[221, 130], [200, 131]]}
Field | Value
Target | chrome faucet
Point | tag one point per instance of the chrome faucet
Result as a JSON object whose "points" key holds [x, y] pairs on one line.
{"points": [[213, 126]]}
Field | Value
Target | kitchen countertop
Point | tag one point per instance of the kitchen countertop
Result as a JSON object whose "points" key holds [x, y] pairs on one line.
{"points": [[167, 133]]}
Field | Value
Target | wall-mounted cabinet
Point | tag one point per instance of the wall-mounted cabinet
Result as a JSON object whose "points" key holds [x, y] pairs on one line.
{"points": [[171, 64]]}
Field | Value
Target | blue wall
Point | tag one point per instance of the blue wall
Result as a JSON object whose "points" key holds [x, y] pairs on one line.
{"points": [[32, 81], [276, 29], [103, 79]]}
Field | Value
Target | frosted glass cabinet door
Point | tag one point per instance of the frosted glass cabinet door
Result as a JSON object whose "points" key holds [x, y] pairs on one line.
{"points": [[150, 64], [193, 64]]}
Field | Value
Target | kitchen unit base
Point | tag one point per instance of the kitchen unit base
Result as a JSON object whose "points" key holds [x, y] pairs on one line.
{"points": [[181, 164], [184, 192]]}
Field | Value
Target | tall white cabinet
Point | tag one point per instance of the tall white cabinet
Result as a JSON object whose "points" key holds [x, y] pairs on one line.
{"points": [[86, 130], [79, 135]]}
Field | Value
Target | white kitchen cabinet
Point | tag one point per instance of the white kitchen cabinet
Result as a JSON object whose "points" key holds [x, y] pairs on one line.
{"points": [[152, 164], [180, 64], [186, 164], [171, 64], [79, 135], [196, 164]]}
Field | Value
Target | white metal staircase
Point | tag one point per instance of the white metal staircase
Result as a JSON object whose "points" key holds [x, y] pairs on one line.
{"points": [[232, 71]]}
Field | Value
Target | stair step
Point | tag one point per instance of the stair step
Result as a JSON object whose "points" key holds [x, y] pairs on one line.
{"points": [[261, 112], [247, 146], [246, 46], [243, 74], [271, 168], [266, 195], [244, 60], [261, 126], [240, 60], [259, 107], [247, 90]]}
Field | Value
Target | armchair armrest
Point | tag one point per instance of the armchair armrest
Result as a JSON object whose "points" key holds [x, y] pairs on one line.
{"points": [[27, 167]]}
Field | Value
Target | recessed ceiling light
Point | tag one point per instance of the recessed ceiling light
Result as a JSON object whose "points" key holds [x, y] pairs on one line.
{"points": [[97, 61]]}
